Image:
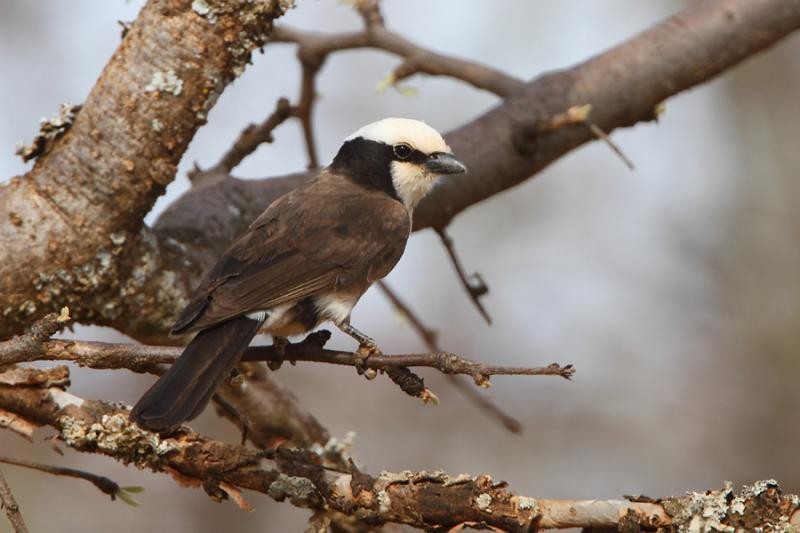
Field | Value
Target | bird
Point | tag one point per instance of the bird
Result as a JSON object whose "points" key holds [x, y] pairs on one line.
{"points": [[306, 260]]}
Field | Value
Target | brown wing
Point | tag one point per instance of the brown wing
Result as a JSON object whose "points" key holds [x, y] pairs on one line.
{"points": [[326, 234]]}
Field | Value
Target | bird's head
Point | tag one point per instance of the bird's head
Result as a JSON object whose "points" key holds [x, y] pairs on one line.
{"points": [[401, 156]]}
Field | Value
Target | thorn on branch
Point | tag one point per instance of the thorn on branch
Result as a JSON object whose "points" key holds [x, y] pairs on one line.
{"points": [[473, 284], [580, 115], [603, 136]]}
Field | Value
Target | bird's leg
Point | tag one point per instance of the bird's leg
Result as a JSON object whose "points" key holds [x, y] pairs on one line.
{"points": [[367, 346], [279, 343]]}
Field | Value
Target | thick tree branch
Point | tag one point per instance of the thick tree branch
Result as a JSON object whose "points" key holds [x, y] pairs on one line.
{"points": [[427, 500], [68, 218]]}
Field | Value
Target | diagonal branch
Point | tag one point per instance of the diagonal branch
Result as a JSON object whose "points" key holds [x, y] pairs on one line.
{"points": [[104, 484], [474, 288], [250, 139], [429, 337], [9, 504], [67, 218]]}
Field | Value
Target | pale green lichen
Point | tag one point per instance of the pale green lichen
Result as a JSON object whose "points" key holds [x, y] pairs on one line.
{"points": [[116, 436], [70, 286], [760, 487], [336, 451], [156, 125], [384, 502], [202, 8], [458, 480], [118, 238], [341, 446], [298, 489], [50, 129], [705, 512], [168, 82], [484, 501], [396, 477], [525, 503]]}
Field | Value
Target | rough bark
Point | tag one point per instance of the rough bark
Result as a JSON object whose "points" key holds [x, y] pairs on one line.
{"points": [[325, 479], [69, 226]]}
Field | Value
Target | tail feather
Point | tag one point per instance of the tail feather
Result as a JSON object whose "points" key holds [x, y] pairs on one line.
{"points": [[186, 388]]}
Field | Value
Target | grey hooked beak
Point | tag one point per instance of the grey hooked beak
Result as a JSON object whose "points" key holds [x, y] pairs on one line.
{"points": [[444, 163]]}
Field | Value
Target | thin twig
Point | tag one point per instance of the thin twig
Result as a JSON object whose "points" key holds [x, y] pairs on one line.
{"points": [[304, 110], [10, 505], [105, 485], [417, 59], [598, 132], [253, 136], [474, 289], [144, 358], [30, 341], [249, 140], [580, 115], [429, 337]]}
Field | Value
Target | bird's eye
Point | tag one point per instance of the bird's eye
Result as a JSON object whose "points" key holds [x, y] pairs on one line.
{"points": [[402, 151]]}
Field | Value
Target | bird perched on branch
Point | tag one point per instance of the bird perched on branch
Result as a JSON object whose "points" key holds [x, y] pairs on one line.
{"points": [[307, 259]]}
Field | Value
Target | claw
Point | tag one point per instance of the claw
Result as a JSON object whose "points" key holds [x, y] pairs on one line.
{"points": [[279, 343], [364, 352]]}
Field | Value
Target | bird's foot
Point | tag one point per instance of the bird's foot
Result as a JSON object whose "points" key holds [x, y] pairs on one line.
{"points": [[366, 349], [279, 344]]}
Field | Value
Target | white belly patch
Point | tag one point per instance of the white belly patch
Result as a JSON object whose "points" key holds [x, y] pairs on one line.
{"points": [[334, 307]]}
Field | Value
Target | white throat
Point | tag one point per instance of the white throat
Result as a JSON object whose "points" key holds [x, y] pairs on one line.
{"points": [[411, 182]]}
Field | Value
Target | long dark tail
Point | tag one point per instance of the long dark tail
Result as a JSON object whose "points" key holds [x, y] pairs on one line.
{"points": [[184, 390]]}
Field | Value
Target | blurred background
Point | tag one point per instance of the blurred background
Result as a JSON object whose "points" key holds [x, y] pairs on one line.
{"points": [[674, 289]]}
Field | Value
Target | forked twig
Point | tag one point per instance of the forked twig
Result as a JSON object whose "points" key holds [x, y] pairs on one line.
{"points": [[475, 289]]}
